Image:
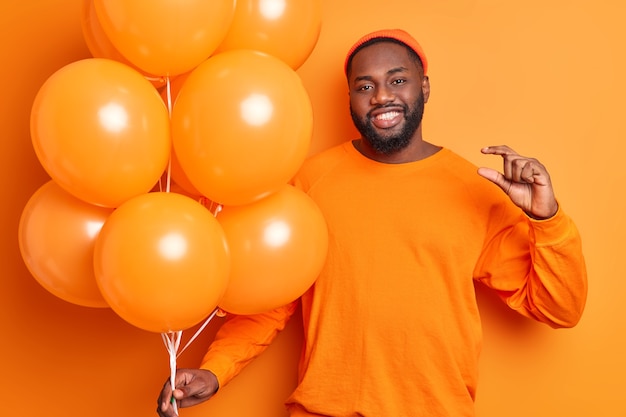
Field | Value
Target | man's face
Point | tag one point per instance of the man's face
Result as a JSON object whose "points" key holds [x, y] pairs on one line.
{"points": [[387, 96]]}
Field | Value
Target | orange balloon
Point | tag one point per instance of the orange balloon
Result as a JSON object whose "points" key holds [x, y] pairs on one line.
{"points": [[165, 37], [241, 126], [278, 247], [57, 234], [101, 47], [161, 262], [286, 29], [101, 131]]}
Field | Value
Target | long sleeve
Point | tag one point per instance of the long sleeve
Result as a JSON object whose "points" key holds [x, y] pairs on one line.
{"points": [[243, 338], [538, 269]]}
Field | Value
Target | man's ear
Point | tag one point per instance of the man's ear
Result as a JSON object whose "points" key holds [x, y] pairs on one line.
{"points": [[426, 88]]}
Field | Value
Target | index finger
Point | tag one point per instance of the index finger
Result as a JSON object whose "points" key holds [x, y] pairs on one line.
{"points": [[498, 150]]}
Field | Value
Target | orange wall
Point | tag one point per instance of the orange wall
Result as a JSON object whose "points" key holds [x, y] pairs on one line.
{"points": [[545, 77]]}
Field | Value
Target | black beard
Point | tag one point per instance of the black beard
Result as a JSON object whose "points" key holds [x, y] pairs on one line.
{"points": [[389, 145]]}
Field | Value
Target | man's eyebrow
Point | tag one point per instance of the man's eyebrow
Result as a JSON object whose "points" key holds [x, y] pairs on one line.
{"points": [[396, 70], [363, 78], [390, 72]]}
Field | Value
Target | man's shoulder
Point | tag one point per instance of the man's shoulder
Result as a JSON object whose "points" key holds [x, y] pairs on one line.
{"points": [[325, 159], [333, 153], [458, 165], [320, 164]]}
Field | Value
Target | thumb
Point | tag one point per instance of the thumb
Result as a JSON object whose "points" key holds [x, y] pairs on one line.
{"points": [[180, 393], [495, 177]]}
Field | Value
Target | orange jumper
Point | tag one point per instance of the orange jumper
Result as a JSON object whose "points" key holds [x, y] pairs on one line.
{"points": [[391, 325]]}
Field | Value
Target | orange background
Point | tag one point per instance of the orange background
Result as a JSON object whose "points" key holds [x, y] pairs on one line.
{"points": [[545, 77]]}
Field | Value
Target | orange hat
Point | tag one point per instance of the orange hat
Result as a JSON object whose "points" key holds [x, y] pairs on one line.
{"points": [[396, 34]]}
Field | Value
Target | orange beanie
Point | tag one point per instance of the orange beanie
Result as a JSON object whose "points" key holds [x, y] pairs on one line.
{"points": [[396, 34]]}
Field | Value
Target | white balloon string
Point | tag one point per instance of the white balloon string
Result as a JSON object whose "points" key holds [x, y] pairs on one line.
{"points": [[168, 92], [152, 79], [168, 89], [212, 206], [172, 343], [218, 208], [168, 181], [206, 322]]}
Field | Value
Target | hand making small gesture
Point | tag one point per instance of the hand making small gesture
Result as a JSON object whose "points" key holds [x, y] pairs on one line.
{"points": [[525, 180]]}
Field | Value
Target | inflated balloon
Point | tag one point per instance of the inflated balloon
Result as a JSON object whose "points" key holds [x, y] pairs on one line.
{"points": [[241, 126], [101, 47], [101, 131], [161, 262], [57, 234], [287, 29], [165, 37], [278, 247]]}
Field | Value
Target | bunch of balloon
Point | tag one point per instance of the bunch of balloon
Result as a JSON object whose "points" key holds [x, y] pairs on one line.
{"points": [[235, 131], [102, 132]]}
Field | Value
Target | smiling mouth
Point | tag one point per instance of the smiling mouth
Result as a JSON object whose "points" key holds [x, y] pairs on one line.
{"points": [[387, 119], [390, 115]]}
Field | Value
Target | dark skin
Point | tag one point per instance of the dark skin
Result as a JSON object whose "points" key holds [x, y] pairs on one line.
{"points": [[383, 74], [193, 386], [383, 81]]}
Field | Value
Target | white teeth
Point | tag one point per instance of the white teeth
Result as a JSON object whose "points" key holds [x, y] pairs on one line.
{"points": [[387, 116]]}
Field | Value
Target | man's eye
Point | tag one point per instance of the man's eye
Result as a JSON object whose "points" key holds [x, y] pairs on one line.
{"points": [[365, 87], [399, 81]]}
